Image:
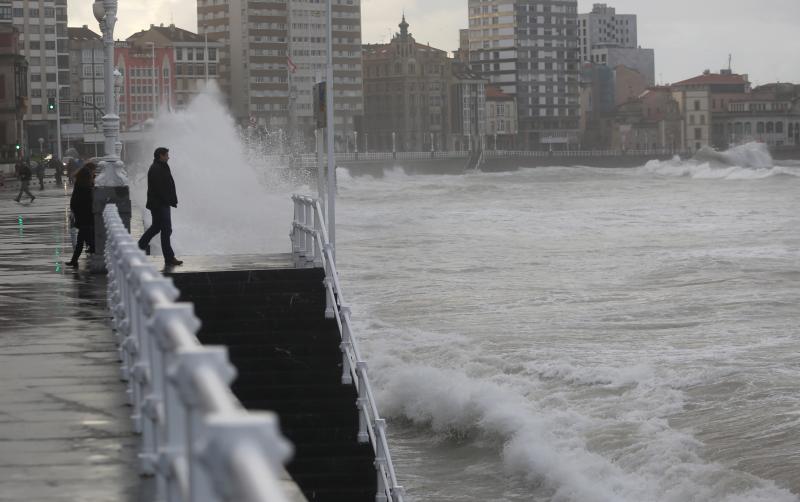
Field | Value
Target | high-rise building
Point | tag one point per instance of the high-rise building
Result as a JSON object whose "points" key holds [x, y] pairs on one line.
{"points": [[277, 51], [529, 49], [611, 39], [603, 27], [13, 93], [43, 42]]}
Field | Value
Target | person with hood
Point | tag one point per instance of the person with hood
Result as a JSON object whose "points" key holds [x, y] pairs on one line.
{"points": [[81, 205], [24, 174], [40, 167], [58, 170], [161, 196]]}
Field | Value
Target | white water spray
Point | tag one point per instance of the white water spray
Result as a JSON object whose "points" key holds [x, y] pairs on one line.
{"points": [[750, 161], [229, 200]]}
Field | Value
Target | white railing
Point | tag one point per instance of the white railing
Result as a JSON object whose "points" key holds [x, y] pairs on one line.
{"points": [[196, 438], [311, 248]]}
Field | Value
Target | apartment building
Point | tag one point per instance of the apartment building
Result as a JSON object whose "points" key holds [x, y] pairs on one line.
{"points": [[42, 25], [13, 93], [276, 51], [529, 49], [196, 59], [87, 97]]}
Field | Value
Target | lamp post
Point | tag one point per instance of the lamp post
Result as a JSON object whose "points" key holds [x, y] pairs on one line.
{"points": [[111, 184]]}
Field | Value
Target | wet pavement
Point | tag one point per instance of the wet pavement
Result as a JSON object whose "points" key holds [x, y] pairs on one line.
{"points": [[65, 433]]}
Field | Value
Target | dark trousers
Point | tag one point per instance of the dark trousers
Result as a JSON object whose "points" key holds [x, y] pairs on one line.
{"points": [[23, 187], [162, 223], [85, 236]]}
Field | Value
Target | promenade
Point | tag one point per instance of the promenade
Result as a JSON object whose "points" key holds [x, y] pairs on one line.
{"points": [[65, 432]]}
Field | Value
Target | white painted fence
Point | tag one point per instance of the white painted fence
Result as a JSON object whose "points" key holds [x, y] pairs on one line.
{"points": [[311, 248], [196, 438]]}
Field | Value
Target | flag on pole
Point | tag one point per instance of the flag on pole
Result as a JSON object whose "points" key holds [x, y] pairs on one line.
{"points": [[290, 64]]}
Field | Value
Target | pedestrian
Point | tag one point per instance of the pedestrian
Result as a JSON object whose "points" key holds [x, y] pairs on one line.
{"points": [[81, 206], [39, 169], [24, 174], [72, 168], [161, 196], [58, 170]]}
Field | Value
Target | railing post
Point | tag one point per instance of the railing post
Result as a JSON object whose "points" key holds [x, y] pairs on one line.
{"points": [[361, 402], [346, 345], [380, 460], [169, 433], [187, 363], [309, 240], [150, 359]]}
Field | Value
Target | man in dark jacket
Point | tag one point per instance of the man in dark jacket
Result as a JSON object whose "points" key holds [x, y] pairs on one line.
{"points": [[161, 197], [24, 174]]}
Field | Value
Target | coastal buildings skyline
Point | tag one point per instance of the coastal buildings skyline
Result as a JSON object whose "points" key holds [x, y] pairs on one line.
{"points": [[748, 32]]}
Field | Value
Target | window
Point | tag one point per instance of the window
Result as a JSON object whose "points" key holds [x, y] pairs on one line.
{"points": [[779, 127], [36, 108], [698, 133], [33, 12], [697, 105], [212, 54], [34, 45], [179, 54], [50, 45]]}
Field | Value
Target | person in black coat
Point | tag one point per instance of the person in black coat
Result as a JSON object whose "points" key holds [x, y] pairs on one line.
{"points": [[161, 196], [24, 173], [81, 205]]}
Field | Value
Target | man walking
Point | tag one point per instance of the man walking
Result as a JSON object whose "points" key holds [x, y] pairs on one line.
{"points": [[24, 174], [161, 196]]}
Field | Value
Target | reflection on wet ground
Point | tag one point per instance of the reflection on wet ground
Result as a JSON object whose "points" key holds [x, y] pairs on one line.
{"points": [[65, 432]]}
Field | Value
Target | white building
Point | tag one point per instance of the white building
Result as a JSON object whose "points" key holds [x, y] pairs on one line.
{"points": [[603, 27], [611, 39], [43, 42]]}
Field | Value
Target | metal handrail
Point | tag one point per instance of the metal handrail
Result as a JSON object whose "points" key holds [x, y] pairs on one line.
{"points": [[312, 248], [197, 439]]}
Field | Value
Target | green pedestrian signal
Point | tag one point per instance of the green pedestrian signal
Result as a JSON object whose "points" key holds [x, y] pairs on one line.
{"points": [[51, 104], [18, 147]]}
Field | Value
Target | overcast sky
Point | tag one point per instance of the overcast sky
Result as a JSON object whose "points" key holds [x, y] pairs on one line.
{"points": [[688, 35]]}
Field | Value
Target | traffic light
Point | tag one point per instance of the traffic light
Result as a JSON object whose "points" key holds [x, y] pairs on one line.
{"points": [[18, 147], [51, 104]]}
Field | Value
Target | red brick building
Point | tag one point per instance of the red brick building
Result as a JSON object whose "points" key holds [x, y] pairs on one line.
{"points": [[149, 81]]}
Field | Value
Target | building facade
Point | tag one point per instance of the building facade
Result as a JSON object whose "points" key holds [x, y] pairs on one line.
{"points": [[700, 98], [769, 114], [196, 60], [13, 93], [501, 119], [602, 28], [529, 49], [277, 52], [44, 44], [87, 98], [148, 82], [407, 95]]}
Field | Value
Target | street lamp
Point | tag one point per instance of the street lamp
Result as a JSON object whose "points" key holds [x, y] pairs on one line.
{"points": [[111, 184]]}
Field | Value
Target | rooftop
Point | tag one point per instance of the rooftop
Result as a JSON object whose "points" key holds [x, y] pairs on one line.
{"points": [[714, 79], [171, 33], [82, 33]]}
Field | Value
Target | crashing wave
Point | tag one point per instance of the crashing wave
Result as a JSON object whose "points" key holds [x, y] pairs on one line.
{"points": [[753, 155]]}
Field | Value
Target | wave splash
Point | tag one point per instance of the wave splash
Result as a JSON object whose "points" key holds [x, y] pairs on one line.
{"points": [[229, 200], [551, 446], [751, 161]]}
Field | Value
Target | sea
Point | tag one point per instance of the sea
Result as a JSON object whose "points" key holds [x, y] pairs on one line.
{"points": [[558, 334], [582, 334]]}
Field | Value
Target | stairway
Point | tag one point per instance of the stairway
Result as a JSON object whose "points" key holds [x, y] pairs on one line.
{"points": [[288, 360]]}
